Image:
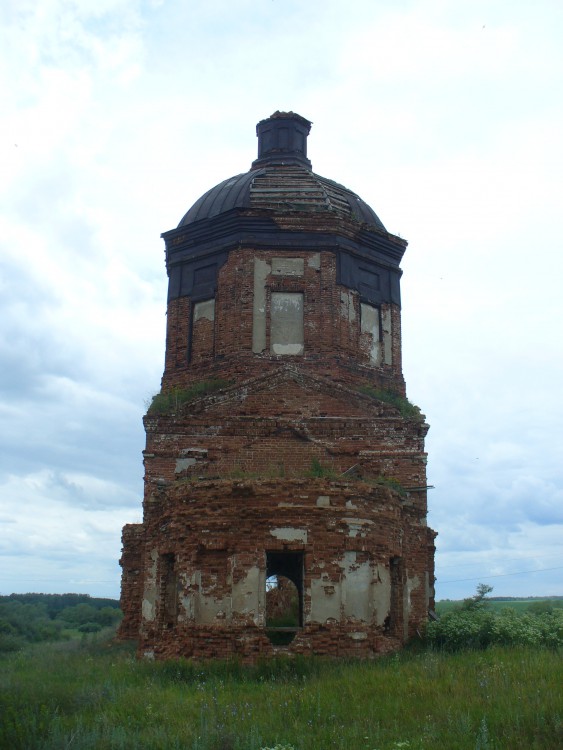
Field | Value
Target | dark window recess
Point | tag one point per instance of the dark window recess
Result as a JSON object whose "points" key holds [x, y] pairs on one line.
{"points": [[195, 278], [205, 275], [169, 590], [370, 283], [284, 596], [375, 284], [395, 620]]}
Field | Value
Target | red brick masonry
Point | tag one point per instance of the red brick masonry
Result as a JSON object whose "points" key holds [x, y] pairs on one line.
{"points": [[295, 455]]}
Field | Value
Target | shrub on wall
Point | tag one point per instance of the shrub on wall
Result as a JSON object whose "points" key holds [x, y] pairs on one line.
{"points": [[402, 404], [170, 401]]}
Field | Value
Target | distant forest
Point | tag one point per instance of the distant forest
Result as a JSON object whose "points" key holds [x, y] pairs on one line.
{"points": [[524, 598], [36, 618], [32, 618]]}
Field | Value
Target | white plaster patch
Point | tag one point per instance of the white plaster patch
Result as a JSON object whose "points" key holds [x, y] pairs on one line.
{"points": [[314, 261], [288, 266], [205, 309], [286, 323], [356, 526], [210, 608], [370, 326], [382, 593], [325, 600], [287, 349], [186, 601], [247, 594], [261, 271], [412, 584], [148, 609], [356, 587], [387, 336], [323, 501], [184, 463], [359, 636], [347, 309], [288, 534]]}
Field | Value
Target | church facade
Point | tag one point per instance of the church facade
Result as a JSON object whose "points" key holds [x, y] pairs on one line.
{"points": [[283, 462]]}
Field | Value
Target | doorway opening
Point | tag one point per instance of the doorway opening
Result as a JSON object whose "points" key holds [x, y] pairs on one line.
{"points": [[284, 596]]}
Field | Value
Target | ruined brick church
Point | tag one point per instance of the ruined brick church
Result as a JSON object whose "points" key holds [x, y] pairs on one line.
{"points": [[285, 473]]}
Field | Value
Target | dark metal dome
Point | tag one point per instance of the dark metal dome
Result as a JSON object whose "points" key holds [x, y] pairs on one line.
{"points": [[281, 180]]}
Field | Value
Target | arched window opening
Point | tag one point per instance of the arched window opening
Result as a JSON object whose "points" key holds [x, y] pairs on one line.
{"points": [[284, 596]]}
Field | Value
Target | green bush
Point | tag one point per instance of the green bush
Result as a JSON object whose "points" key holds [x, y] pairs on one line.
{"points": [[474, 626], [10, 642], [545, 606], [90, 627], [551, 624], [78, 615], [27, 622], [461, 629]]}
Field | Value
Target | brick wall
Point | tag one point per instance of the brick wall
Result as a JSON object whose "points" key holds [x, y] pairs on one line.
{"points": [[218, 530], [291, 458], [223, 348]]}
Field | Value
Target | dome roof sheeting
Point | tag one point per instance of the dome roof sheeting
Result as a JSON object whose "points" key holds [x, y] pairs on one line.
{"points": [[281, 181], [282, 190]]}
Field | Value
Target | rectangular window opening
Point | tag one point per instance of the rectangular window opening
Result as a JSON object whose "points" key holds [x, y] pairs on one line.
{"points": [[201, 344], [370, 329], [286, 323]]}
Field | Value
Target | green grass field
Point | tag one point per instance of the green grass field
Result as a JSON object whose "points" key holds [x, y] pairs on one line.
{"points": [[93, 694]]}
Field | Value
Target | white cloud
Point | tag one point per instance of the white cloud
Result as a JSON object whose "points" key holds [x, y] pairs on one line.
{"points": [[119, 114], [61, 529]]}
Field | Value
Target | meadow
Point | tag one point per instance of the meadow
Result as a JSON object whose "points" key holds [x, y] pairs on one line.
{"points": [[92, 693]]}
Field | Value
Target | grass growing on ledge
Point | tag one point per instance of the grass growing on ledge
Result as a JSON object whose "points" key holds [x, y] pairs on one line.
{"points": [[317, 470], [390, 482], [170, 401], [406, 409]]}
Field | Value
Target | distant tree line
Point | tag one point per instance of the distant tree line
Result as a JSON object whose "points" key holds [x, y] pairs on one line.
{"points": [[32, 618]]}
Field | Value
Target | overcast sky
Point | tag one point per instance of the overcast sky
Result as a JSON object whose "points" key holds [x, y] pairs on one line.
{"points": [[445, 116]]}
